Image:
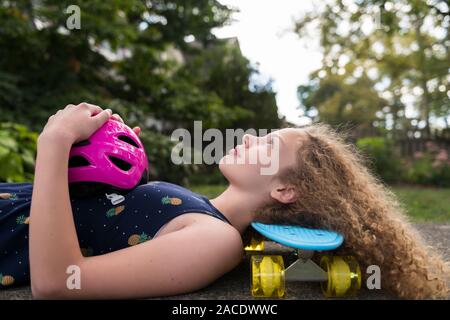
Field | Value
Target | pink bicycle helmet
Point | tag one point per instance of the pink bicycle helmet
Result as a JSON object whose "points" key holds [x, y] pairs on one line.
{"points": [[112, 159]]}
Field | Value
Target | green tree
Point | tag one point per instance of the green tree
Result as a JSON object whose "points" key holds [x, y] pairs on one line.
{"points": [[135, 57], [116, 59], [401, 46], [221, 69], [338, 100]]}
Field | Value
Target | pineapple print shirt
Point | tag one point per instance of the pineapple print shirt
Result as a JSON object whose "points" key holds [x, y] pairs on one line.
{"points": [[103, 223]]}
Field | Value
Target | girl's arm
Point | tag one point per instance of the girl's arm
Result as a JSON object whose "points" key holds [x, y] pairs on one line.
{"points": [[53, 242]]}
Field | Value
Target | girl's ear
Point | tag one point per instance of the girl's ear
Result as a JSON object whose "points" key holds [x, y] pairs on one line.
{"points": [[284, 193]]}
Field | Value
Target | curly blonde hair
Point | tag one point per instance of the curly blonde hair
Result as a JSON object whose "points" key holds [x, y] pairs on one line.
{"points": [[337, 191]]}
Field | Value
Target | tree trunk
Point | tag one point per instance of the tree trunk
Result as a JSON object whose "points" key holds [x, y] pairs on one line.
{"points": [[423, 75]]}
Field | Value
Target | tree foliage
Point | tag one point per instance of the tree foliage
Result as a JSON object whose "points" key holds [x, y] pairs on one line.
{"points": [[155, 59], [389, 58]]}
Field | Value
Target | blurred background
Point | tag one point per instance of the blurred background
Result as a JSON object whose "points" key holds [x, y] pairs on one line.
{"points": [[376, 69]]}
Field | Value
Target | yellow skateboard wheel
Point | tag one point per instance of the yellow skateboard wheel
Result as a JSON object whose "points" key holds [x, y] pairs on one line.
{"points": [[267, 276], [256, 244], [344, 276]]}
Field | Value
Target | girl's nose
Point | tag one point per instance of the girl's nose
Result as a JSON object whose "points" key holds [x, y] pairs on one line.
{"points": [[248, 140]]}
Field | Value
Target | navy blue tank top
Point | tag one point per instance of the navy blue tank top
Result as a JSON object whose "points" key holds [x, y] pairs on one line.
{"points": [[103, 224]]}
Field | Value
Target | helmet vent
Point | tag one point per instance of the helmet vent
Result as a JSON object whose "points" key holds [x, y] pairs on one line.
{"points": [[125, 166], [128, 140], [78, 161]]}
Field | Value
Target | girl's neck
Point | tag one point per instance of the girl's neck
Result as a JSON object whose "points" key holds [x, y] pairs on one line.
{"points": [[237, 206]]}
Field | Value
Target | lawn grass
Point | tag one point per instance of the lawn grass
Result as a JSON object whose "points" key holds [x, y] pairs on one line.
{"points": [[210, 191], [423, 204]]}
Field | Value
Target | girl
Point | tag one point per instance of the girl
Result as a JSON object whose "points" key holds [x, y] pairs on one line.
{"points": [[320, 182]]}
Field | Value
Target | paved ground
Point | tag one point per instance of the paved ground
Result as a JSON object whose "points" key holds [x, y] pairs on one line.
{"points": [[235, 284]]}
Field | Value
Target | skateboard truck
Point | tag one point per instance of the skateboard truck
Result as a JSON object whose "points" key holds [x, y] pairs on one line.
{"points": [[304, 269], [339, 276]]}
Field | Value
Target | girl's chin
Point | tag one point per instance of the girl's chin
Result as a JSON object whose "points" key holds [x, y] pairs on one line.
{"points": [[222, 160], [227, 159]]}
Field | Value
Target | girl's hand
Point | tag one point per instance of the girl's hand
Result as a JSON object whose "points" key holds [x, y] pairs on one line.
{"points": [[75, 123], [136, 130]]}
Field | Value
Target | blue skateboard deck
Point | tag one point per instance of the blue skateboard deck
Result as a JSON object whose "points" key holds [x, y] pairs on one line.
{"points": [[299, 237]]}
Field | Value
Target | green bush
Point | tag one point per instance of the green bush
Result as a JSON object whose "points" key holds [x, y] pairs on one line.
{"points": [[430, 167], [420, 170], [384, 159], [208, 175], [441, 176], [17, 153]]}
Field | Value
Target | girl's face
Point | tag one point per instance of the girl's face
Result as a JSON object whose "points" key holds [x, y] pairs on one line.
{"points": [[254, 165]]}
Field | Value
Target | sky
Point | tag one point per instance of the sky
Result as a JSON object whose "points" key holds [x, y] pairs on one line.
{"points": [[264, 30]]}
